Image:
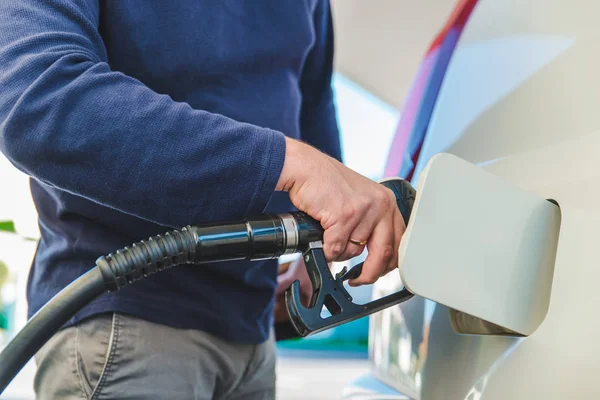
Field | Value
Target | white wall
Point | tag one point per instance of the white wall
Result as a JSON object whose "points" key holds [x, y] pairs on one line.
{"points": [[15, 199], [380, 43]]}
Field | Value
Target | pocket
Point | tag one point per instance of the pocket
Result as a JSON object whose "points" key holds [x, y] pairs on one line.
{"points": [[95, 344]]}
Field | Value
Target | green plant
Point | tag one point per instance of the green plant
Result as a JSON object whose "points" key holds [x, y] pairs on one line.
{"points": [[7, 226]]}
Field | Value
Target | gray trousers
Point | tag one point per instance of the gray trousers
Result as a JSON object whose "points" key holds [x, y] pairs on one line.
{"points": [[115, 356]]}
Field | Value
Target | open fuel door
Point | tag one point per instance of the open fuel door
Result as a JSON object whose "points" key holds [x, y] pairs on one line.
{"points": [[480, 246]]}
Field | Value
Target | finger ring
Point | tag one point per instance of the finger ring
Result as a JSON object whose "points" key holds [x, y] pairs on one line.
{"points": [[358, 242]]}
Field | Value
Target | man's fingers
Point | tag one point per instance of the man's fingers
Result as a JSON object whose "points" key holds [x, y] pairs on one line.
{"points": [[336, 238], [381, 253], [399, 228], [361, 233]]}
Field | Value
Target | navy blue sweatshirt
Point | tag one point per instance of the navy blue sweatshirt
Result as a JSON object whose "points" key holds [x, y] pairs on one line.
{"points": [[133, 117]]}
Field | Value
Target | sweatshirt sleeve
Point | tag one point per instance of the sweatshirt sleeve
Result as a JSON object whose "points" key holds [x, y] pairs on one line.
{"points": [[69, 121], [318, 120]]}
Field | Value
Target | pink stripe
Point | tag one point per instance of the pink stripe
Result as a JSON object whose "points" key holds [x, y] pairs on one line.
{"points": [[409, 112]]}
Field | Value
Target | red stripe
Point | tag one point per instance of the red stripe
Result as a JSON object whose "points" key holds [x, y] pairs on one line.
{"points": [[458, 18]]}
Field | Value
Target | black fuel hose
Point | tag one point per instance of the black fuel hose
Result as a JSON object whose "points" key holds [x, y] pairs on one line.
{"points": [[263, 237], [47, 321]]}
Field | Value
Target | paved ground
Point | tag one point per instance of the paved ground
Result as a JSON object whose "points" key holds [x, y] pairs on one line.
{"points": [[316, 377]]}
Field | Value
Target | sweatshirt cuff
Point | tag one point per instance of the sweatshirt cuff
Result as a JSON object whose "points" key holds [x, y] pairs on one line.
{"points": [[272, 161]]}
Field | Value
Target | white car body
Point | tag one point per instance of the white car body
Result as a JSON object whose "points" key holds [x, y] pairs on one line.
{"points": [[521, 99]]}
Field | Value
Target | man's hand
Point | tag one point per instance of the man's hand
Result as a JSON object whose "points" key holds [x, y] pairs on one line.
{"points": [[348, 206]]}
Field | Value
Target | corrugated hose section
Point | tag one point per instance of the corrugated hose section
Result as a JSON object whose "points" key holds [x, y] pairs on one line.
{"points": [[147, 257]]}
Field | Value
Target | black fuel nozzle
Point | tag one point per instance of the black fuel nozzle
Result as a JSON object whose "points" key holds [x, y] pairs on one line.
{"points": [[329, 291]]}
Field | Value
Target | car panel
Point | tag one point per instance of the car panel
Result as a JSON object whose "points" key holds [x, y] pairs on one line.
{"points": [[519, 99]]}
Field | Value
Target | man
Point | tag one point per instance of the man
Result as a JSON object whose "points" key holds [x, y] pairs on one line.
{"points": [[133, 117]]}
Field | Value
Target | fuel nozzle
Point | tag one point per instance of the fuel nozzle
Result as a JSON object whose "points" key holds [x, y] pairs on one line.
{"points": [[263, 237], [329, 291]]}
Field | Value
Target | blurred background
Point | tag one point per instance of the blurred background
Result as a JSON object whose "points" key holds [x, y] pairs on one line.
{"points": [[379, 47]]}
